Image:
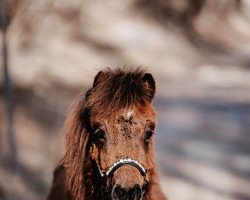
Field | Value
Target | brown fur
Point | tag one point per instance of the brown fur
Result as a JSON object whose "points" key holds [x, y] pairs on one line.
{"points": [[114, 93]]}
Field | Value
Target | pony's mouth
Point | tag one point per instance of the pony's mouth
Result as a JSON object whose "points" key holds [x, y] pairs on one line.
{"points": [[121, 162]]}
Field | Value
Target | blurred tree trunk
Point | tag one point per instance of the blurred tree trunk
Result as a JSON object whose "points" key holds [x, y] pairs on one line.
{"points": [[4, 22]]}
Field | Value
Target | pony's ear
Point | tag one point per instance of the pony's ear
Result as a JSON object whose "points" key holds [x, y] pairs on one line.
{"points": [[150, 84], [98, 78]]}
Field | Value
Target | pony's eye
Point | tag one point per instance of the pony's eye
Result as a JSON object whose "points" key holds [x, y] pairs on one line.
{"points": [[148, 135], [99, 136]]}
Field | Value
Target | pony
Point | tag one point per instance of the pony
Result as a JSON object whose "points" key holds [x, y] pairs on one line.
{"points": [[110, 141]]}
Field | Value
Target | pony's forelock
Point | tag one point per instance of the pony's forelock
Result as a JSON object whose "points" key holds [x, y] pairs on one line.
{"points": [[114, 89]]}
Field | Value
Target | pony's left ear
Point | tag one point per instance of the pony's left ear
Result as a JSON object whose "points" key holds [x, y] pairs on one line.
{"points": [[98, 78], [150, 84]]}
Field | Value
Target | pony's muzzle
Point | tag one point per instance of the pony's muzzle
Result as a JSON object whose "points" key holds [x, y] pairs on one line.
{"points": [[120, 193], [128, 183]]}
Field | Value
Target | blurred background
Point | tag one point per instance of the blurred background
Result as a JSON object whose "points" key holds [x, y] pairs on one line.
{"points": [[198, 52]]}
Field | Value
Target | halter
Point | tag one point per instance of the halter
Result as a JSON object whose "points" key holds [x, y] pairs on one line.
{"points": [[121, 162]]}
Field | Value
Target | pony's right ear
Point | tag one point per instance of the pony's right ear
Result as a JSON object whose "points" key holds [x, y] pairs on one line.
{"points": [[98, 78], [150, 84]]}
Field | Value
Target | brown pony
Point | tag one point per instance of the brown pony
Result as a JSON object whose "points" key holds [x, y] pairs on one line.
{"points": [[109, 141]]}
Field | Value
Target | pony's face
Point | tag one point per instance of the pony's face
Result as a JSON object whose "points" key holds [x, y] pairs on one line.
{"points": [[122, 147]]}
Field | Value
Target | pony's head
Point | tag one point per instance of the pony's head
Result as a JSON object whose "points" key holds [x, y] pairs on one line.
{"points": [[120, 121]]}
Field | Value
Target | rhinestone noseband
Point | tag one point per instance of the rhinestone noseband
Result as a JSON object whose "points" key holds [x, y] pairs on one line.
{"points": [[121, 162]]}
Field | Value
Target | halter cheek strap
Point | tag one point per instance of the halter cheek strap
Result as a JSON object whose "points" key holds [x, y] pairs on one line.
{"points": [[121, 162]]}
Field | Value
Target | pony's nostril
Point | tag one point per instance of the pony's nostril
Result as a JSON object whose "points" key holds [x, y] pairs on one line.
{"points": [[119, 193], [135, 193]]}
